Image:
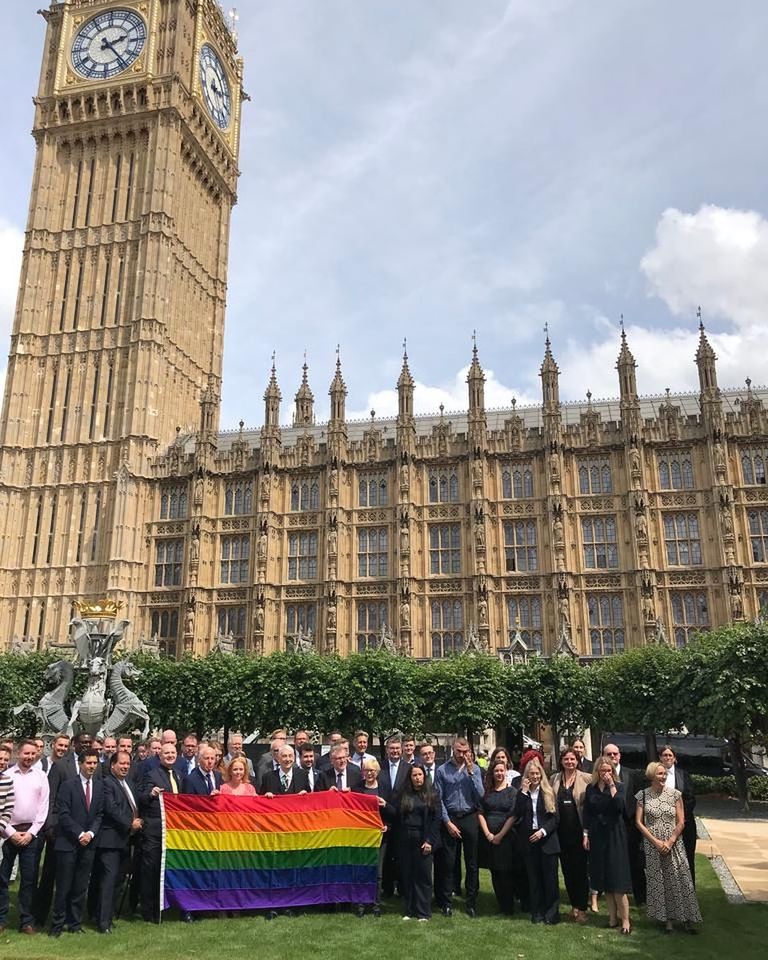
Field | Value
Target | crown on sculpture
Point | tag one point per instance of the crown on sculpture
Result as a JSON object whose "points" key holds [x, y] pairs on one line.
{"points": [[99, 608]]}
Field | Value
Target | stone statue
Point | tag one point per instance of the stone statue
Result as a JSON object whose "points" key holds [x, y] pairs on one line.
{"points": [[559, 532], [333, 481], [386, 640], [660, 632], [332, 542], [647, 608], [477, 471], [91, 711], [404, 476], [727, 521], [261, 548], [260, 619], [303, 643], [50, 711], [331, 622], [480, 536], [472, 643], [194, 549], [641, 526], [97, 638], [128, 709], [482, 611], [405, 540], [405, 613]]}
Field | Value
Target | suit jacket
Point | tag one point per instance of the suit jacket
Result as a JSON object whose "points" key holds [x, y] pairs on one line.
{"points": [[314, 779], [585, 765], [683, 784], [149, 806], [197, 782], [153, 762], [546, 821], [328, 778], [632, 781], [271, 782], [403, 772], [118, 815], [72, 816]]}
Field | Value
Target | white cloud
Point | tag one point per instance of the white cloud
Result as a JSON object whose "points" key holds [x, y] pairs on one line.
{"points": [[452, 394], [716, 258]]}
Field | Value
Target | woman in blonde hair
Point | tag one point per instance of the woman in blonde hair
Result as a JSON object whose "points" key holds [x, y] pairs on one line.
{"points": [[660, 819], [536, 818]]}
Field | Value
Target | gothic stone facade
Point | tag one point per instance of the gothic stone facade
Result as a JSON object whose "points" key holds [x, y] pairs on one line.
{"points": [[587, 527]]}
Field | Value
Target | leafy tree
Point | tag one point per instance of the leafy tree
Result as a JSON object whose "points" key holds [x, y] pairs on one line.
{"points": [[464, 693], [382, 693], [726, 675], [300, 690], [644, 692]]}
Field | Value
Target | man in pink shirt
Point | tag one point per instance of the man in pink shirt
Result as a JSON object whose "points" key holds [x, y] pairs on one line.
{"points": [[30, 809]]}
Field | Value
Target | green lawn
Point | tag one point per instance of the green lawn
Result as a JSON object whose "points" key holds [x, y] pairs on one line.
{"points": [[728, 931]]}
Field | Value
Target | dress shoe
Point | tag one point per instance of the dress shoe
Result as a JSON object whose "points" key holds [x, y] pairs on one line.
{"points": [[272, 915], [553, 922], [77, 930], [376, 912], [106, 930], [360, 911], [28, 929], [55, 933], [187, 917], [446, 911], [471, 913]]}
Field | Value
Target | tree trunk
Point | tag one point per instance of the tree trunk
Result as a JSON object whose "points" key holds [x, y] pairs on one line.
{"points": [[651, 747], [739, 769]]}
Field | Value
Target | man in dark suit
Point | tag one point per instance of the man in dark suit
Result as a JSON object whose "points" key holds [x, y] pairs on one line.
{"points": [[120, 822], [395, 769], [204, 781], [343, 775], [58, 771], [168, 738], [307, 764], [537, 830], [288, 779], [324, 763], [631, 781], [678, 779], [79, 811], [585, 765], [160, 779]]}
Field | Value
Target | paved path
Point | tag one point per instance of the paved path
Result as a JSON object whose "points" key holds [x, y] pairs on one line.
{"points": [[743, 845]]}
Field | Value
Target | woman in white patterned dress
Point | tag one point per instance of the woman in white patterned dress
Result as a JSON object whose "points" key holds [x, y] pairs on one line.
{"points": [[660, 819]]}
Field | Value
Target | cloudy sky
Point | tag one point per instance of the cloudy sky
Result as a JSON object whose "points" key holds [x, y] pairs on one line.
{"points": [[426, 168]]}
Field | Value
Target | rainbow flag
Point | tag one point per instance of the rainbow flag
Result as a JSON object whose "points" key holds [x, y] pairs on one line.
{"points": [[246, 853]]}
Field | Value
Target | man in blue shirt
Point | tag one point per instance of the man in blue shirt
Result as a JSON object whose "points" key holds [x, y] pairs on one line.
{"points": [[459, 784]]}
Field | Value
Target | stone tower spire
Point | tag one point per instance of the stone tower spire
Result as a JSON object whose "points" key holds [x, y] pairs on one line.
{"points": [[476, 381], [337, 427], [629, 403], [270, 432], [304, 415], [709, 392], [406, 426], [550, 391]]}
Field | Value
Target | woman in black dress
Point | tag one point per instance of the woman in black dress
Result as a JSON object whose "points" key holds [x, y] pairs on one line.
{"points": [[570, 785], [605, 839], [417, 836], [371, 785], [496, 820]]}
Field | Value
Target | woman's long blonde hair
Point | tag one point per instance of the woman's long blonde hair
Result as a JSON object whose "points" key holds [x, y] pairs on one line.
{"points": [[550, 801]]}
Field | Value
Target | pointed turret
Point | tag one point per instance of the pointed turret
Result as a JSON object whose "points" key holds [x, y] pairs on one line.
{"points": [[550, 393], [629, 403], [207, 438], [304, 414], [476, 382], [270, 432], [337, 427], [406, 426], [709, 392]]}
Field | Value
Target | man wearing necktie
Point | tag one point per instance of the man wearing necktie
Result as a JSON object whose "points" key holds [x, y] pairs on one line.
{"points": [[394, 773], [288, 778], [204, 781], [121, 821], [158, 780], [79, 810], [342, 775], [427, 754], [307, 763]]}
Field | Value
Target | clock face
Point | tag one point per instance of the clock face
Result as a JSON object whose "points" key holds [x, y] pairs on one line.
{"points": [[213, 80], [108, 44]]}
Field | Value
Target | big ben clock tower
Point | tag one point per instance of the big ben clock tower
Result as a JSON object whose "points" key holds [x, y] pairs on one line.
{"points": [[119, 322]]}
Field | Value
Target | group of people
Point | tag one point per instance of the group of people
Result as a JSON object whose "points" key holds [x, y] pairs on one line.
{"points": [[91, 812]]}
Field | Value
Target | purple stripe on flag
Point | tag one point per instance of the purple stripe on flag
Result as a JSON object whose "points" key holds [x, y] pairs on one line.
{"points": [[276, 899]]}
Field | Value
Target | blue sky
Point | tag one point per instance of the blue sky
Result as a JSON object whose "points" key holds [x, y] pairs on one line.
{"points": [[423, 169]]}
